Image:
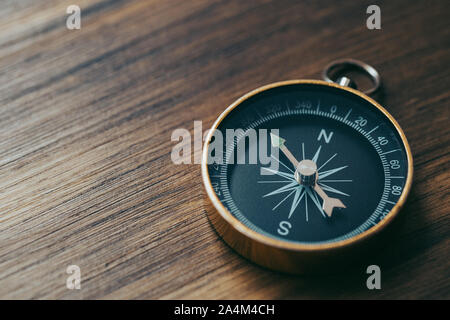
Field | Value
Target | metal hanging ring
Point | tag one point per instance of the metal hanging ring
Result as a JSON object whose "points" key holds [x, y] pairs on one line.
{"points": [[343, 64]]}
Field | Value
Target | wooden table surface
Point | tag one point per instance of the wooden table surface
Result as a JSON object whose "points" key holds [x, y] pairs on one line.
{"points": [[86, 118]]}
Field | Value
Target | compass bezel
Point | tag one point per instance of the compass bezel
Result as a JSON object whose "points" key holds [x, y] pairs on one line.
{"points": [[235, 232]]}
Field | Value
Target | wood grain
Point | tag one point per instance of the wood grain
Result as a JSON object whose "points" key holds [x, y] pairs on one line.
{"points": [[86, 118]]}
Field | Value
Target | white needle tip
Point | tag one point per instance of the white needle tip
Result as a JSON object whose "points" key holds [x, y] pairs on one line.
{"points": [[276, 140]]}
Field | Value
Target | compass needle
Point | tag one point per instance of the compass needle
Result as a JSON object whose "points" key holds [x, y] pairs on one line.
{"points": [[328, 203], [279, 143], [281, 162]]}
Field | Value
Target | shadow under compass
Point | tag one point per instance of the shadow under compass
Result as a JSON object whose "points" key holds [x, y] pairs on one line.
{"points": [[395, 252]]}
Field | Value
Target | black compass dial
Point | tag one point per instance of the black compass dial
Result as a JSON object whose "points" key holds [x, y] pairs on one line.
{"points": [[338, 169]]}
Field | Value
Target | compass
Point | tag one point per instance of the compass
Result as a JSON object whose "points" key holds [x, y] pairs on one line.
{"points": [[333, 168]]}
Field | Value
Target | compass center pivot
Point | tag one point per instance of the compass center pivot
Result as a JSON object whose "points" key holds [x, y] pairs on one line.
{"points": [[306, 173]]}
